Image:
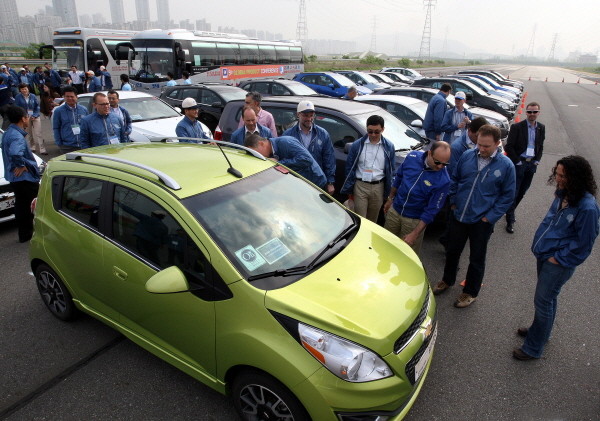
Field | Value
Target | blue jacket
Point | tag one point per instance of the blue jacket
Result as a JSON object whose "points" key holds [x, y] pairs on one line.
{"points": [[448, 126], [457, 148], [13, 79], [320, 147], [126, 122], [16, 154], [95, 85], [38, 79], [108, 84], [296, 157], [421, 191], [96, 130], [5, 95], [189, 128], [27, 76], [32, 104], [352, 163], [486, 193], [435, 113], [63, 118], [55, 78], [240, 134], [567, 234]]}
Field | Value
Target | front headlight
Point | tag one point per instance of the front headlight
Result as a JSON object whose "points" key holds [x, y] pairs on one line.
{"points": [[345, 359]]}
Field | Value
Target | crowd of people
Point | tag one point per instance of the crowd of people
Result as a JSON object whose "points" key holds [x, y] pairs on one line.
{"points": [[463, 171]]}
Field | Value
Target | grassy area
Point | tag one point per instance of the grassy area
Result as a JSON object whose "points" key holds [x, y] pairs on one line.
{"points": [[590, 69], [364, 65]]}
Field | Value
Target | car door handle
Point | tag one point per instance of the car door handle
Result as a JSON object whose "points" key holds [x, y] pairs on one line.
{"points": [[119, 273]]}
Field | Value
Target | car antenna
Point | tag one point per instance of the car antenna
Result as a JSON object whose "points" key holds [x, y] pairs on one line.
{"points": [[230, 170]]}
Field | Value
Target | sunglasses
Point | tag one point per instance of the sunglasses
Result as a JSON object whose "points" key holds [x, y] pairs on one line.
{"points": [[436, 162], [532, 111], [374, 131]]}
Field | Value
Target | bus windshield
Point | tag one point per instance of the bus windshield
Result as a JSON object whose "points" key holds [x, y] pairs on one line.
{"points": [[156, 59], [69, 52]]}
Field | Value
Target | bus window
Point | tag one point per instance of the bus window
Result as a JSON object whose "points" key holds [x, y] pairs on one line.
{"points": [[69, 52], [296, 55], [110, 46], [267, 54], [96, 54], [204, 53], [228, 53], [283, 54], [249, 54]]}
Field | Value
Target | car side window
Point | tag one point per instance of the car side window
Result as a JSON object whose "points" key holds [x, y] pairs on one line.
{"points": [[85, 101], [402, 113], [148, 230], [284, 118], [309, 79], [464, 88], [81, 199], [174, 93], [209, 97], [191, 93], [262, 88], [436, 85], [278, 89], [339, 131]]}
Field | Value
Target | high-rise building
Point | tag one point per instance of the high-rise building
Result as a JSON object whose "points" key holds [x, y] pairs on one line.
{"points": [[85, 21], [142, 10], [67, 10], [117, 13], [10, 14], [202, 25], [164, 17]]}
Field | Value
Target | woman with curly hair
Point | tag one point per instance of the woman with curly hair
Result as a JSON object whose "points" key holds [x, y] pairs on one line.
{"points": [[562, 242]]}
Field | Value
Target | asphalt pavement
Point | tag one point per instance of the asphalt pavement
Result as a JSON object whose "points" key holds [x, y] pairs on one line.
{"points": [[52, 370]]}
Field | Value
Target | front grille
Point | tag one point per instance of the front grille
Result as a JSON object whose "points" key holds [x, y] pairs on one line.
{"points": [[410, 366], [408, 334]]}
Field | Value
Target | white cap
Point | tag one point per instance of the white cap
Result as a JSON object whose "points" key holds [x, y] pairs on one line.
{"points": [[305, 106], [89, 72], [3, 67], [21, 69], [460, 95], [102, 68], [189, 103]]}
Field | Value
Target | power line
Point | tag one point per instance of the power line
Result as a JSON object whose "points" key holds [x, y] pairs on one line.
{"points": [[301, 28], [531, 43], [551, 55], [425, 50]]}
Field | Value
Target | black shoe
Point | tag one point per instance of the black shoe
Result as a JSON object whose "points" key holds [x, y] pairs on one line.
{"points": [[509, 228], [518, 354], [522, 331]]}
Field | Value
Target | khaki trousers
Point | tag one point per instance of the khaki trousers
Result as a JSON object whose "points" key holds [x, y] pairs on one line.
{"points": [[401, 226], [368, 199], [34, 135]]}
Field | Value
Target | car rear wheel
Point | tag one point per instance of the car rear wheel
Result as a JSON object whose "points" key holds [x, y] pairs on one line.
{"points": [[54, 293], [259, 397]]}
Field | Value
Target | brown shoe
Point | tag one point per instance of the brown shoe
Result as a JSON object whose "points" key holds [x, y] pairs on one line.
{"points": [[464, 300], [440, 287], [522, 331], [518, 354]]}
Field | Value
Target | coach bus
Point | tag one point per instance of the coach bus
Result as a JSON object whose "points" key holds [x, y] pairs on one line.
{"points": [[88, 49], [208, 57]]}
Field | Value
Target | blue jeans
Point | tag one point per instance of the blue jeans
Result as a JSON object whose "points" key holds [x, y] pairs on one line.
{"points": [[551, 278], [523, 177]]}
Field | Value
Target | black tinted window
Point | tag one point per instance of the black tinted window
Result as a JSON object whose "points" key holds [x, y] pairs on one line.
{"points": [[81, 199], [339, 130], [209, 97], [261, 87], [174, 93], [278, 89], [284, 118]]}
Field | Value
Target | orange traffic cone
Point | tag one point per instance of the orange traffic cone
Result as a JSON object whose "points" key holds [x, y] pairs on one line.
{"points": [[546, 80], [517, 118], [596, 83], [578, 80], [563, 81], [529, 77]]}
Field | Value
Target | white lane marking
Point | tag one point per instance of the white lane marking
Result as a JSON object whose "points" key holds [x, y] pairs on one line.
{"points": [[572, 105]]}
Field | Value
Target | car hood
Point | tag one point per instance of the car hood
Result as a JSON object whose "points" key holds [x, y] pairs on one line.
{"points": [[369, 293], [488, 114], [143, 131]]}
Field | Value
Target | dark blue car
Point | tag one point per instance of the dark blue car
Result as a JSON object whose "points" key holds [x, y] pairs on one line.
{"points": [[329, 83]]}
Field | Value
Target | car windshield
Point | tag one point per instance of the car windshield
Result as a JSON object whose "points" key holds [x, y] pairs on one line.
{"points": [[301, 90], [341, 79], [385, 78], [402, 136], [368, 78], [232, 94], [271, 221], [147, 108]]}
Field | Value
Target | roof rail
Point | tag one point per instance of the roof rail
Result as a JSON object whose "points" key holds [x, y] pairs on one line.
{"points": [[209, 141], [169, 181]]}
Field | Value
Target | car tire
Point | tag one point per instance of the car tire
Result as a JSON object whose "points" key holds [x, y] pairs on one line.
{"points": [[254, 394], [55, 294]]}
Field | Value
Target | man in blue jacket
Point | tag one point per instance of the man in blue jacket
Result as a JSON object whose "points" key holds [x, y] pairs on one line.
{"points": [[54, 78], [563, 241], [31, 105], [370, 167], [121, 112], [468, 140], [418, 193], [434, 116], [101, 127], [287, 151], [481, 191], [456, 119], [316, 140], [92, 82], [105, 79], [66, 122], [251, 126], [189, 126], [20, 169]]}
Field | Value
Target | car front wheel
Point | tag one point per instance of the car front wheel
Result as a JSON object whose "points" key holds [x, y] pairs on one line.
{"points": [[259, 397], [54, 293]]}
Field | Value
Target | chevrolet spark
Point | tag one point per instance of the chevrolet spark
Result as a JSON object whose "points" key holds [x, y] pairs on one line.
{"points": [[240, 273]]}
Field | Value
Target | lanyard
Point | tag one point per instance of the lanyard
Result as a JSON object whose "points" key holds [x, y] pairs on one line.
{"points": [[375, 158], [106, 129]]}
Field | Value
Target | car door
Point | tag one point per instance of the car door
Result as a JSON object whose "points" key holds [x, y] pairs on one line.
{"points": [[211, 108], [174, 97], [331, 87], [262, 88], [278, 89], [313, 81], [146, 236]]}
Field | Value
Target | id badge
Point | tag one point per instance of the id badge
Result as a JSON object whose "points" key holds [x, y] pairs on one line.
{"points": [[30, 112], [76, 129], [367, 176], [530, 151], [114, 140]]}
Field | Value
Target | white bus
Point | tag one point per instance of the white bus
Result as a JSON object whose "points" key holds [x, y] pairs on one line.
{"points": [[88, 49], [208, 57]]}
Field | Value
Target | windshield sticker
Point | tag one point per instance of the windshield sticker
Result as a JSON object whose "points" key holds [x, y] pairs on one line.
{"points": [[273, 250], [250, 257]]}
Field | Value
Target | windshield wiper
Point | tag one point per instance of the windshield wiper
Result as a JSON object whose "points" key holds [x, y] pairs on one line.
{"points": [[306, 268]]}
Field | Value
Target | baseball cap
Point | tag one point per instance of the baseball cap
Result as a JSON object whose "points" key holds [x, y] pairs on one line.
{"points": [[3, 67], [460, 95], [89, 72], [189, 103], [21, 69], [305, 106], [102, 68]]}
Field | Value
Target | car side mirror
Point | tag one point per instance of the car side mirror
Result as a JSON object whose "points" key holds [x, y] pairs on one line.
{"points": [[167, 281], [216, 105], [417, 123]]}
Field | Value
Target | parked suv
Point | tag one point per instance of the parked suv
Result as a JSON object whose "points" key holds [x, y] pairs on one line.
{"points": [[211, 99], [329, 83], [345, 121], [254, 282], [277, 87]]}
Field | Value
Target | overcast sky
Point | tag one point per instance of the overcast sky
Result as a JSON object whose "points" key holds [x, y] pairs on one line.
{"points": [[469, 26]]}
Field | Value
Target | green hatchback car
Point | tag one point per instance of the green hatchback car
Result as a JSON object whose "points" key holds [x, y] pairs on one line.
{"points": [[240, 273]]}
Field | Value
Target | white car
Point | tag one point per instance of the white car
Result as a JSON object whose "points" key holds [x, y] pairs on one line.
{"points": [[411, 73], [151, 117], [410, 111], [7, 196]]}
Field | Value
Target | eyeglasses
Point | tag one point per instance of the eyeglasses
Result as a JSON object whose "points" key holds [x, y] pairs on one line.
{"points": [[532, 111], [436, 162], [103, 104], [374, 131]]}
